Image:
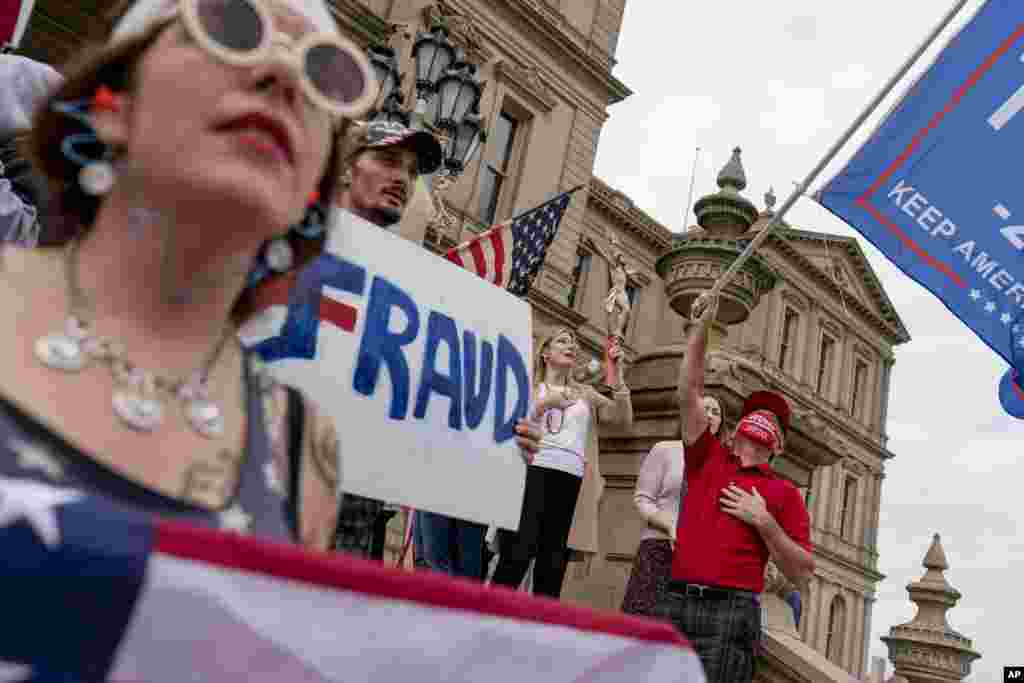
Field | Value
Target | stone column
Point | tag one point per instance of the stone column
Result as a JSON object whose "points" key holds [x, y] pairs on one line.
{"points": [[869, 603], [887, 364], [823, 497], [856, 639], [845, 359], [836, 504], [810, 618], [876, 510], [817, 638]]}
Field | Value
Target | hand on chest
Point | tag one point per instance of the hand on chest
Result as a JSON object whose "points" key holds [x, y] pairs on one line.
{"points": [[749, 501]]}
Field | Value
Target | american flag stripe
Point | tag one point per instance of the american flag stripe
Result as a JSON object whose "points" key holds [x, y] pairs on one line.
{"points": [[456, 258], [498, 245], [476, 250], [511, 253]]}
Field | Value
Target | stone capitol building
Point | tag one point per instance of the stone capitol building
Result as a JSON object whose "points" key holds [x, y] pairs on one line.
{"points": [[822, 333]]}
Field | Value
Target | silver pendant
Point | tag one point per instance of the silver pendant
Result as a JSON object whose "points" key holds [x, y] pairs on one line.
{"points": [[205, 417], [97, 178], [61, 352], [279, 256], [139, 413]]}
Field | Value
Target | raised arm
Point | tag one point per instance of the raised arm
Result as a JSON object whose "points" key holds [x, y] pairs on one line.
{"points": [[619, 409], [691, 371], [599, 251]]}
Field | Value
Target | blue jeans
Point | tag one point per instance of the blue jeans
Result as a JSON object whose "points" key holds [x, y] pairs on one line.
{"points": [[452, 546]]}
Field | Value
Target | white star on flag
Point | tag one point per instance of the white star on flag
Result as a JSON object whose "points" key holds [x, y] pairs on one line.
{"points": [[33, 456], [11, 672], [975, 294], [235, 519], [1006, 318], [990, 307], [35, 503], [273, 481]]}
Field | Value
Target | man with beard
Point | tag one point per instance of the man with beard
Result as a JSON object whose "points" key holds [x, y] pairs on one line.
{"points": [[379, 172], [378, 177]]}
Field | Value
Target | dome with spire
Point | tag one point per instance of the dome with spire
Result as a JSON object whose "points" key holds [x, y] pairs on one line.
{"points": [[732, 176], [727, 213]]}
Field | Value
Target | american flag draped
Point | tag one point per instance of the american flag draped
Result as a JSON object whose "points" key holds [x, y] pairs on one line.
{"points": [[510, 253], [95, 592]]}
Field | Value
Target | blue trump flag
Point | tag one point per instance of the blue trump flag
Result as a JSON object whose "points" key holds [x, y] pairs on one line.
{"points": [[936, 188]]}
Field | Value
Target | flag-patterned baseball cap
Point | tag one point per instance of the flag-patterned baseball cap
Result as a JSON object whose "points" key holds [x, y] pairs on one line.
{"points": [[379, 134]]}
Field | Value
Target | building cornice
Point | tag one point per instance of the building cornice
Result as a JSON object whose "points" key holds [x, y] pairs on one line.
{"points": [[862, 571], [620, 209], [551, 24]]}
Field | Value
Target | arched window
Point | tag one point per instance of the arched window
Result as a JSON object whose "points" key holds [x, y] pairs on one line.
{"points": [[836, 630]]}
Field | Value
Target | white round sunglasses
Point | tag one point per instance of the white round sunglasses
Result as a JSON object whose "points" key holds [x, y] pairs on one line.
{"points": [[334, 73]]}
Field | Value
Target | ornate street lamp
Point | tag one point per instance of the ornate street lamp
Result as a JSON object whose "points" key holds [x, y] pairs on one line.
{"points": [[433, 54], [385, 68], [458, 91], [463, 142], [392, 110]]}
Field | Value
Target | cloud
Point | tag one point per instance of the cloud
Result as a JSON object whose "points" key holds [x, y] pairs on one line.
{"points": [[853, 77], [793, 115], [802, 28]]}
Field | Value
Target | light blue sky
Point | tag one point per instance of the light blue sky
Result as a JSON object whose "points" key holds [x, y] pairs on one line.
{"points": [[782, 80]]}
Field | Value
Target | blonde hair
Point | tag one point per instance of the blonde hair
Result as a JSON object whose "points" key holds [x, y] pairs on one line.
{"points": [[540, 369]]}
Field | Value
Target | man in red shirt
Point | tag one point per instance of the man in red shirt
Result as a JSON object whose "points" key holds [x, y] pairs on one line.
{"points": [[736, 515]]}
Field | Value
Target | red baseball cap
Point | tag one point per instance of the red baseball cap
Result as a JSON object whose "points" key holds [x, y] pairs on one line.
{"points": [[770, 401]]}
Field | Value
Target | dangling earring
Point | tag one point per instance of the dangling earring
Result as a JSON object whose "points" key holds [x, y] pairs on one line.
{"points": [[346, 179], [313, 223], [96, 176]]}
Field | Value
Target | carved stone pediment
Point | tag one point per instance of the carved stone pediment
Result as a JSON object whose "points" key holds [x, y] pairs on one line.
{"points": [[463, 30], [724, 368], [528, 81], [853, 465]]}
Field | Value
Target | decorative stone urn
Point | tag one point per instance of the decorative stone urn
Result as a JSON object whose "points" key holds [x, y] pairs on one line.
{"points": [[699, 257]]}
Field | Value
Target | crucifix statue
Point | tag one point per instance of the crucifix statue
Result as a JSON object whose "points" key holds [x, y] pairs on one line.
{"points": [[616, 304]]}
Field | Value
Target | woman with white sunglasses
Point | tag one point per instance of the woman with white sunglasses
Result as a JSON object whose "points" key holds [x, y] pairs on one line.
{"points": [[179, 152]]}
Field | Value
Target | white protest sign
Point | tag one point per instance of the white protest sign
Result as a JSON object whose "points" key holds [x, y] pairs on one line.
{"points": [[424, 367]]}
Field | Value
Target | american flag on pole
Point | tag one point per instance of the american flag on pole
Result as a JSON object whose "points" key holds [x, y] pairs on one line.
{"points": [[510, 253], [95, 592], [14, 15]]}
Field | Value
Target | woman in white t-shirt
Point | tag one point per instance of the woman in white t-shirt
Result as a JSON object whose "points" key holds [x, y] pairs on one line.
{"points": [[567, 411], [660, 490]]}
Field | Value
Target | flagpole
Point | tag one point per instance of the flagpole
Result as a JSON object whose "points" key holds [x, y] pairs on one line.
{"points": [[689, 198], [801, 188], [22, 23]]}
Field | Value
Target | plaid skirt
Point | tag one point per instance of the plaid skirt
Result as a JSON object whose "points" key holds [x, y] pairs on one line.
{"points": [[647, 581]]}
